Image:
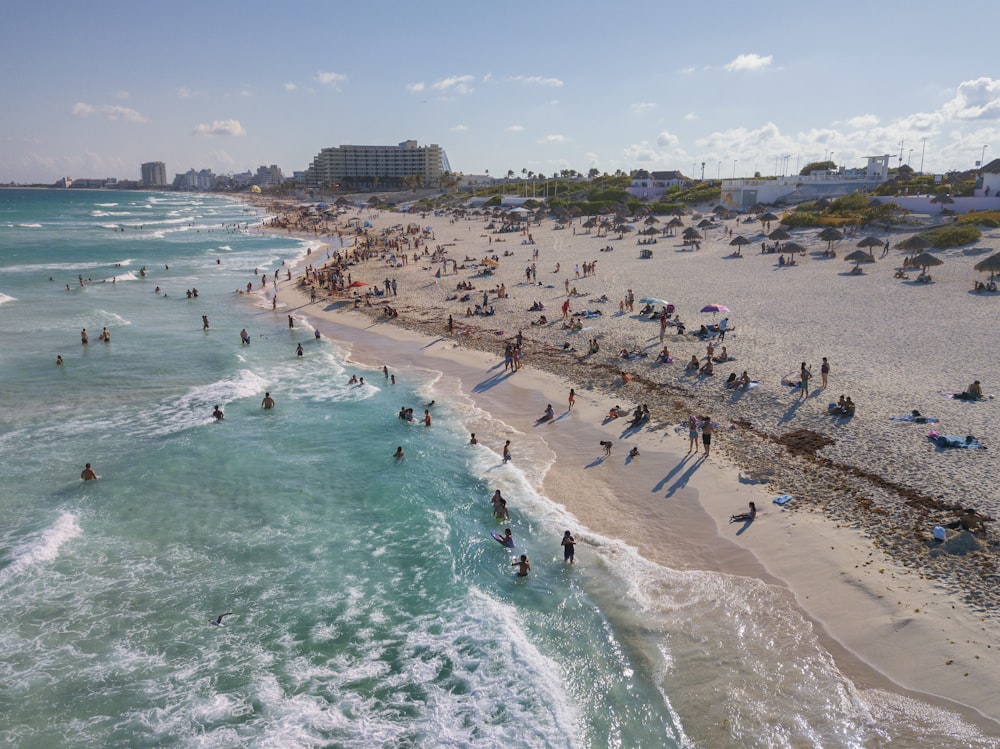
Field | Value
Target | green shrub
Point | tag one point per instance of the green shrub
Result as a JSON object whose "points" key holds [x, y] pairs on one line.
{"points": [[798, 219], [953, 236]]}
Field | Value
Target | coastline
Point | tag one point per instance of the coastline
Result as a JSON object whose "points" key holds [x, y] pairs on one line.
{"points": [[889, 625]]}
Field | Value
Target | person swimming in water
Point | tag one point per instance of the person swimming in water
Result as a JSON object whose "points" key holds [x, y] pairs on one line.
{"points": [[523, 565]]}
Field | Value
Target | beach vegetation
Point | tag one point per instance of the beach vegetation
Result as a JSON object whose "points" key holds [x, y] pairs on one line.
{"points": [[813, 166], [798, 219], [955, 235], [987, 219], [709, 191]]}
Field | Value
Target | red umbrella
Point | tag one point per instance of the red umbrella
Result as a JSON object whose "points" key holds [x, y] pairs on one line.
{"points": [[357, 284]]}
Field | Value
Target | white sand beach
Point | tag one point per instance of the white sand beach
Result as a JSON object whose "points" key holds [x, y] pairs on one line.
{"points": [[854, 546]]}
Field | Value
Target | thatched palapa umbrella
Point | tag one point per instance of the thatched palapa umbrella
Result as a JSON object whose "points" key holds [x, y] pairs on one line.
{"points": [[915, 243], [793, 247], [738, 241], [830, 235], [859, 256], [991, 264], [925, 260], [779, 235]]}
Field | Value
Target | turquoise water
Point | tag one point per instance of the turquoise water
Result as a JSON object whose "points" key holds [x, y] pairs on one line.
{"points": [[369, 606]]}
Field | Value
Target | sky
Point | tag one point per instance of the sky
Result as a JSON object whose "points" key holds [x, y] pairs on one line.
{"points": [[94, 89]]}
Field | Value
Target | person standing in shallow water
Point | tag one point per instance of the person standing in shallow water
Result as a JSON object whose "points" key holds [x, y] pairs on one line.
{"points": [[268, 403]]}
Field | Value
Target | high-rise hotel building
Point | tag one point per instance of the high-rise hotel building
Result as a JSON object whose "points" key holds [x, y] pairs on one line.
{"points": [[378, 166], [154, 174]]}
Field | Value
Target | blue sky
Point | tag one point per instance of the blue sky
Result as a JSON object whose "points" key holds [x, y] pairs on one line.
{"points": [[94, 89]]}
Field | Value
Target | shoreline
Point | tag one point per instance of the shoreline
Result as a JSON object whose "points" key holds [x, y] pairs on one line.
{"points": [[887, 625]]}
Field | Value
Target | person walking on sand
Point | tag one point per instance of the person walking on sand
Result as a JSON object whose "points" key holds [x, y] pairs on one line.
{"points": [[824, 371], [572, 398], [569, 547], [706, 434], [804, 376]]}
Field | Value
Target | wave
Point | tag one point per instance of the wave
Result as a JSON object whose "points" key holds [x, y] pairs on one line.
{"points": [[42, 548], [29, 226], [4, 298], [35, 268], [106, 205]]}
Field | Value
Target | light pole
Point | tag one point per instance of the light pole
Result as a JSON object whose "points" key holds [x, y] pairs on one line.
{"points": [[908, 157], [923, 145], [734, 168], [718, 172], [982, 158]]}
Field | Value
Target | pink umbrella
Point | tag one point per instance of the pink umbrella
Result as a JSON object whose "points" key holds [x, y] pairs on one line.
{"points": [[715, 308]]}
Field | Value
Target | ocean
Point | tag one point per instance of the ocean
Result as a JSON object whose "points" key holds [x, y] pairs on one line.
{"points": [[366, 603]]}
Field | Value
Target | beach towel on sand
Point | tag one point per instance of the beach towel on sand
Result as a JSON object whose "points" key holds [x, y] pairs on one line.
{"points": [[947, 440], [783, 499], [914, 419]]}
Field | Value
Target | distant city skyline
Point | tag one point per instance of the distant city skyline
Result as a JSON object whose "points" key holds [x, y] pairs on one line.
{"points": [[96, 90]]}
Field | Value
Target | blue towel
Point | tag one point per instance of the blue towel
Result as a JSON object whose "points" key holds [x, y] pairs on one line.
{"points": [[783, 499]]}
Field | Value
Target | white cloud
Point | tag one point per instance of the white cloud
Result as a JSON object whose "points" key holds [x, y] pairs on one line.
{"points": [[111, 112], [515, 129], [690, 116], [554, 138], [975, 100], [667, 140], [220, 127], [457, 83], [488, 78], [687, 70], [537, 80], [750, 61], [863, 121], [415, 88], [643, 106], [120, 94], [185, 92], [290, 86], [459, 129], [331, 79]]}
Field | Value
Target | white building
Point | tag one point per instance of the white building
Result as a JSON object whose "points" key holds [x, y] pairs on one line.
{"points": [[740, 194], [654, 186], [268, 176], [374, 167]]}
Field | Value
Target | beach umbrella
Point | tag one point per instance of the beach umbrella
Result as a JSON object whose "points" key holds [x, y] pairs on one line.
{"points": [[705, 224], [650, 231], [925, 260], [675, 222], [767, 217], [792, 247], [871, 242], [942, 200], [654, 300], [719, 210], [860, 256], [991, 264], [779, 234], [831, 235], [715, 308], [739, 240], [757, 208], [691, 233], [914, 243], [650, 220]]}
